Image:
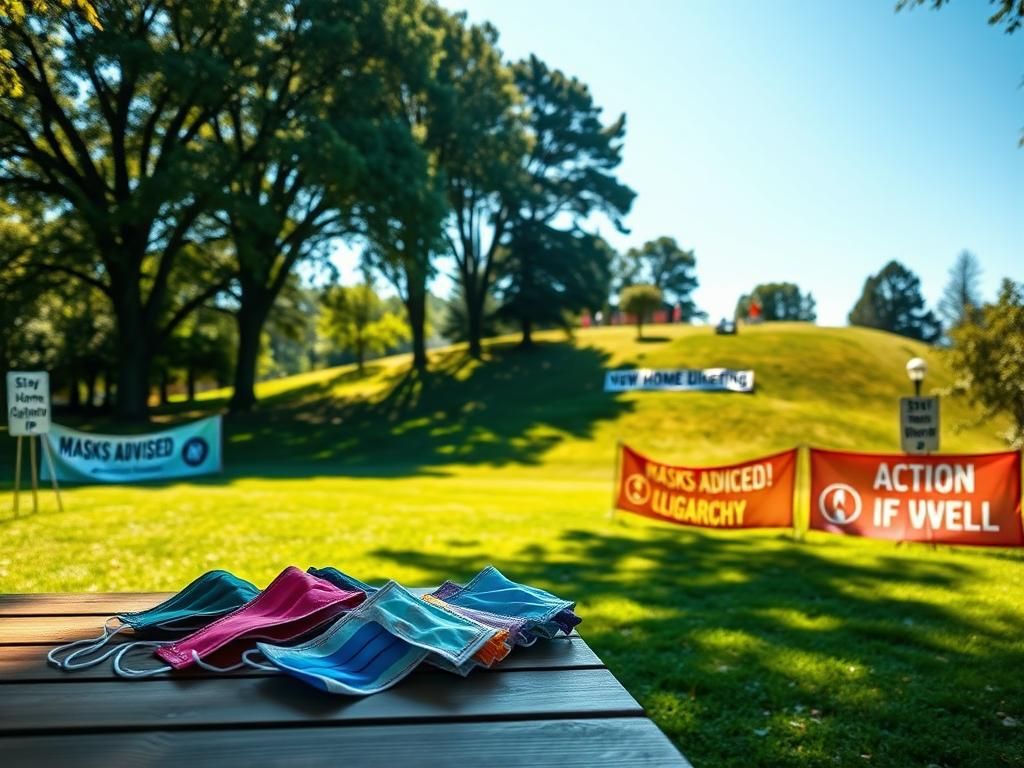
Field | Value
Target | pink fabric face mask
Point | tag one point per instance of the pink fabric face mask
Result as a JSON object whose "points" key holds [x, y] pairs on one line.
{"points": [[293, 605]]}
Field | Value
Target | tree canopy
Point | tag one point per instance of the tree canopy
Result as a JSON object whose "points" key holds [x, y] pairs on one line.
{"points": [[961, 296], [639, 301], [664, 264], [779, 301], [891, 301], [987, 358]]}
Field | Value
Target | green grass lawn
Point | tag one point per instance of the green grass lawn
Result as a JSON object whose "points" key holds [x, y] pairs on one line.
{"points": [[747, 648]]}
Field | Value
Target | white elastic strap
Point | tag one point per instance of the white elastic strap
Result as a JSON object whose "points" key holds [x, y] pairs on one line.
{"points": [[123, 672], [255, 664], [94, 660], [90, 642], [210, 668]]}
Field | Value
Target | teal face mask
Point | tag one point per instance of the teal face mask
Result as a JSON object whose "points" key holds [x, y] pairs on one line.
{"points": [[380, 642], [213, 594], [341, 580]]}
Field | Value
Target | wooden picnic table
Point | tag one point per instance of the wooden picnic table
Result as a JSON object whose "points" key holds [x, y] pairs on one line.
{"points": [[554, 703]]}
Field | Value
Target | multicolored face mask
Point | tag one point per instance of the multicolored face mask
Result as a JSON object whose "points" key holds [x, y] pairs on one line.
{"points": [[213, 594], [545, 614], [381, 642], [293, 605], [490, 654]]}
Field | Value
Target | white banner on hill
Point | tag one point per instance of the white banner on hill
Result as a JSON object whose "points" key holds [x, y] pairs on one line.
{"points": [[680, 380], [188, 450]]}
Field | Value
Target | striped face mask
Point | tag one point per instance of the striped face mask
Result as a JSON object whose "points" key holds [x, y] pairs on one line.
{"points": [[381, 642], [213, 594], [545, 614], [293, 605], [525, 612]]}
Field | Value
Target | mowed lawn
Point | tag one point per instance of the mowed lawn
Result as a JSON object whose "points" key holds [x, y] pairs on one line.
{"points": [[747, 648]]}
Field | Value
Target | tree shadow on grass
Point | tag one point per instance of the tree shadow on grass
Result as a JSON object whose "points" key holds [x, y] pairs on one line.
{"points": [[507, 410], [762, 651], [652, 339], [510, 409]]}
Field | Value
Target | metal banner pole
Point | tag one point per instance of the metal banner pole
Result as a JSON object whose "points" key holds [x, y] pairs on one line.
{"points": [[48, 452], [35, 474], [17, 475], [616, 479]]}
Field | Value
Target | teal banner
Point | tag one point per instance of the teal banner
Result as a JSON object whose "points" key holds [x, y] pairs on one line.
{"points": [[185, 451]]}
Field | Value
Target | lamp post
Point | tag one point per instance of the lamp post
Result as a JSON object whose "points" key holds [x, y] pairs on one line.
{"points": [[916, 370]]}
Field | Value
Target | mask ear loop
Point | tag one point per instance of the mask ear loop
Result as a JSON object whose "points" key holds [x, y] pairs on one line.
{"points": [[255, 664], [123, 672], [210, 668], [91, 644]]}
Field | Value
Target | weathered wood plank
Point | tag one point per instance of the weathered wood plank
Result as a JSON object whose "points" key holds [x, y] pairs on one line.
{"points": [[563, 743], [81, 604], [27, 663], [48, 630], [30, 708]]}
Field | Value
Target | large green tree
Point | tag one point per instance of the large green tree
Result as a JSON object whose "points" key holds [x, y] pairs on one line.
{"points": [[663, 263], [961, 296], [407, 201], [108, 133], [549, 273], [315, 136], [987, 359], [357, 320], [779, 301], [478, 136], [550, 266], [640, 301], [892, 301]]}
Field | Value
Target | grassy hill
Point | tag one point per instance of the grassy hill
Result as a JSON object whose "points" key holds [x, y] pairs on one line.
{"points": [[829, 387], [747, 648]]}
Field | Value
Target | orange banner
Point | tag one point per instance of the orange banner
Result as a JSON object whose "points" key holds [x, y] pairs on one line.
{"points": [[971, 499], [754, 494]]}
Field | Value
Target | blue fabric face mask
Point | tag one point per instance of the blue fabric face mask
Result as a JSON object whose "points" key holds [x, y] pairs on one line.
{"points": [[212, 595], [546, 614], [380, 642]]}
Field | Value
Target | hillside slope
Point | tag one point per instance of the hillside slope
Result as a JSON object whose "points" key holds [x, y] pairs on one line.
{"points": [[829, 387]]}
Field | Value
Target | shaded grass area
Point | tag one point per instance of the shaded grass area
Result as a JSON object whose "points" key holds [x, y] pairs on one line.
{"points": [[746, 648]]}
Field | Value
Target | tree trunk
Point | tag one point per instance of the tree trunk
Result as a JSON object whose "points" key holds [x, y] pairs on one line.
{"points": [[165, 383], [74, 394], [190, 383], [251, 316], [108, 389], [527, 340], [133, 355], [416, 308], [639, 326], [90, 388], [474, 323]]}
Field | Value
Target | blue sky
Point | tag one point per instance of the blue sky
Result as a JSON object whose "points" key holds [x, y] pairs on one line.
{"points": [[801, 140]]}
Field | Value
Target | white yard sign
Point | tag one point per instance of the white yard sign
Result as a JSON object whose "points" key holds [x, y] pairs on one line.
{"points": [[28, 403], [919, 424]]}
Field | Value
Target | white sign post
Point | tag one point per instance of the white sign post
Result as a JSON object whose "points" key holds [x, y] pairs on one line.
{"points": [[28, 415], [919, 424]]}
